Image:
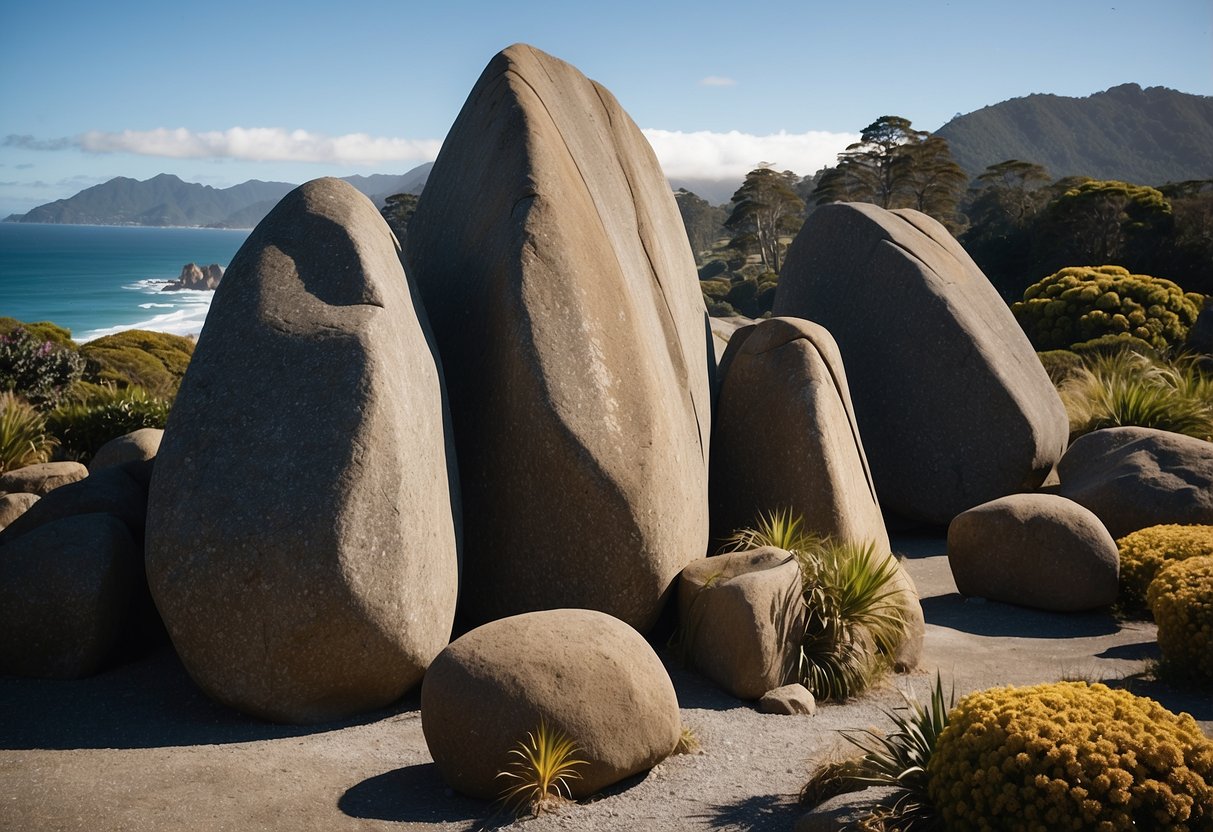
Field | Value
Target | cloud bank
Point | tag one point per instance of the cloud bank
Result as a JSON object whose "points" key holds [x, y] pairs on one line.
{"points": [[683, 155], [707, 155]]}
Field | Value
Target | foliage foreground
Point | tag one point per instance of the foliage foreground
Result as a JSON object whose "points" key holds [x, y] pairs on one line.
{"points": [[544, 763]]}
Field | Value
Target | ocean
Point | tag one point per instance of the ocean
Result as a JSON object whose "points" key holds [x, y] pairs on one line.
{"points": [[96, 280]]}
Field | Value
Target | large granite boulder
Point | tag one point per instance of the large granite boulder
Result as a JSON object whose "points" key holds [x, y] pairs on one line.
{"points": [[741, 619], [13, 506], [581, 673], [1133, 478], [556, 273], [785, 437], [301, 546], [1035, 550], [42, 478], [953, 404], [68, 591]]}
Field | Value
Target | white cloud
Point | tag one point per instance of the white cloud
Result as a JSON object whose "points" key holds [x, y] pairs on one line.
{"points": [[717, 81], [260, 144], [732, 155]]}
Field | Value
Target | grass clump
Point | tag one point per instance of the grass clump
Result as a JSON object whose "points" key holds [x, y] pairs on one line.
{"points": [[1126, 388], [544, 764], [1069, 755], [24, 439], [853, 621], [1181, 599], [688, 741], [1144, 552], [82, 427]]}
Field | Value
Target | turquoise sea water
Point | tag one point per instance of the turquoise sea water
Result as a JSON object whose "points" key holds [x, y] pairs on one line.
{"points": [[95, 280]]}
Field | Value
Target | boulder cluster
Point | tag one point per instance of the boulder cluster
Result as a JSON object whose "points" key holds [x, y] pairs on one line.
{"points": [[509, 429]]}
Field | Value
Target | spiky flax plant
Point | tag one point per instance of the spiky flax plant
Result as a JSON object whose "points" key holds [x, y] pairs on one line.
{"points": [[540, 772]]}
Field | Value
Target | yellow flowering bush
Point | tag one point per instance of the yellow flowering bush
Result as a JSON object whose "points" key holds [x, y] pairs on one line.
{"points": [[1070, 756], [1144, 552], [1181, 598]]}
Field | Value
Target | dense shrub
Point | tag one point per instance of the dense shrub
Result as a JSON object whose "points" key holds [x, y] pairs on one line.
{"points": [[1060, 364], [42, 330], [155, 361], [82, 427], [23, 436], [1127, 388], [1145, 551], [35, 368], [1181, 600], [1080, 303], [1070, 756]]}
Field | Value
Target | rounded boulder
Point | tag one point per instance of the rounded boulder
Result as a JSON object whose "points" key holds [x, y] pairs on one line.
{"points": [[42, 478], [1035, 550], [136, 446], [581, 673]]}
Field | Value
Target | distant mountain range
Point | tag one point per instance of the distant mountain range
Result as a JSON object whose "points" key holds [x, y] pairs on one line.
{"points": [[1148, 137], [167, 200]]}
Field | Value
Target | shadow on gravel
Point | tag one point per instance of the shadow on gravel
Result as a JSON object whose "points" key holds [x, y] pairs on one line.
{"points": [[990, 618], [417, 794], [759, 813], [149, 703], [696, 691], [1175, 699]]}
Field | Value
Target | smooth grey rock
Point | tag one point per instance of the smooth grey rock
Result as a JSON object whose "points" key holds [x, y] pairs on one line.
{"points": [[788, 700], [136, 446], [563, 294], [42, 478], [68, 590], [582, 673], [301, 546], [111, 491], [954, 407], [1035, 550], [13, 506], [1133, 478]]}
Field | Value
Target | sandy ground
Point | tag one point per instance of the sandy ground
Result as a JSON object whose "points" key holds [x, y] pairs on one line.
{"points": [[139, 748]]}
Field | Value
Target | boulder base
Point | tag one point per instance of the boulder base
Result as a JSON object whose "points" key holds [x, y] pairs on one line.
{"points": [[581, 673]]}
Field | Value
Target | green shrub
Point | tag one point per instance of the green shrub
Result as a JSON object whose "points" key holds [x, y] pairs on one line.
{"points": [[41, 330], [23, 436], [1126, 388], [155, 361], [1060, 364], [720, 309], [1113, 345], [35, 368], [1181, 599], [1070, 756], [82, 427], [1081, 303], [1146, 551]]}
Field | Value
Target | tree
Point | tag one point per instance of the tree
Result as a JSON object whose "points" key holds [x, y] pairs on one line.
{"points": [[766, 209], [895, 166], [1002, 207], [703, 221], [398, 209]]}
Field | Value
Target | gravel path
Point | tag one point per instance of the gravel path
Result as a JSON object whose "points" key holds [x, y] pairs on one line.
{"points": [[139, 748]]}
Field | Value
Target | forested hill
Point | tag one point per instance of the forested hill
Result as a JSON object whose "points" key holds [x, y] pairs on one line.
{"points": [[1149, 136], [167, 200]]}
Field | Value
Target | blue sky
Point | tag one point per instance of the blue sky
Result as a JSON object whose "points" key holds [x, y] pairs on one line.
{"points": [[220, 92]]}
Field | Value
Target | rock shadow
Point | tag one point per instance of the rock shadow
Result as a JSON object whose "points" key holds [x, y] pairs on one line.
{"points": [[695, 691], [758, 813], [418, 794], [991, 618], [1172, 697], [1141, 651], [149, 703]]}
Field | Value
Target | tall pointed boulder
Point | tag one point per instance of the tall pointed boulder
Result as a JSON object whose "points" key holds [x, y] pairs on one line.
{"points": [[551, 257], [300, 541]]}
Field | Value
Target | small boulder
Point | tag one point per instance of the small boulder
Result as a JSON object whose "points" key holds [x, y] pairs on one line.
{"points": [[954, 406], [13, 506], [1133, 478], [42, 478], [740, 616], [136, 446], [111, 491], [68, 590], [788, 700], [1035, 550], [582, 673]]}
